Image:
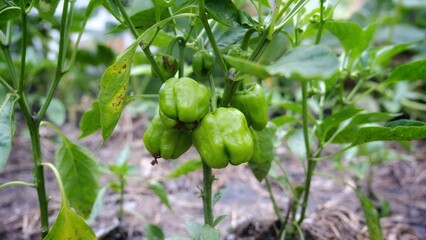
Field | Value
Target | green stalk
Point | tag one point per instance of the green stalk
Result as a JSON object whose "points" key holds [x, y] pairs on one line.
{"points": [[321, 23], [121, 210], [39, 177], [246, 39], [182, 43], [213, 100], [17, 183], [7, 85], [211, 38], [311, 162], [144, 48], [59, 66], [207, 194], [274, 202], [23, 48], [9, 62]]}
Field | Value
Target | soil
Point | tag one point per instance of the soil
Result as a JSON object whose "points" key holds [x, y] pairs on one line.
{"points": [[333, 210]]}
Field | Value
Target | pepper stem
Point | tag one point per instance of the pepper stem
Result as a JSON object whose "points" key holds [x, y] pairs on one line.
{"points": [[207, 194]]}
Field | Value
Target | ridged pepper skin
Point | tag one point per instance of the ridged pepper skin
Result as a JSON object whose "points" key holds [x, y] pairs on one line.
{"points": [[203, 63], [183, 102], [252, 102], [223, 137], [164, 142]]}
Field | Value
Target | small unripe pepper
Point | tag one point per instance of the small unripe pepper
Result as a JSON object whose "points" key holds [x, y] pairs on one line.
{"points": [[237, 51], [252, 102], [164, 142], [223, 137], [183, 102], [203, 63], [168, 65]]}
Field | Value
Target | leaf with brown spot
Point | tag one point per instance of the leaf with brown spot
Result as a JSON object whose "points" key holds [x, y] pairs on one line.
{"points": [[112, 95]]}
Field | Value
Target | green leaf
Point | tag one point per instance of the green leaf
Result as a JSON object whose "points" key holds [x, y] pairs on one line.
{"points": [[185, 168], [78, 169], [113, 92], [161, 192], [281, 120], [46, 8], [7, 127], [350, 130], [410, 72], [404, 122], [69, 225], [333, 121], [218, 195], [353, 38], [154, 232], [263, 151], [8, 11], [399, 133], [218, 220], [202, 232], [263, 2], [194, 229], [248, 67], [306, 63], [90, 122], [209, 233], [226, 13], [385, 54], [112, 8], [97, 205], [371, 216], [144, 19]]}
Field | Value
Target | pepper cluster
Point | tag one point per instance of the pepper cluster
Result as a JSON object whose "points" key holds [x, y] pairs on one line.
{"points": [[226, 135]]}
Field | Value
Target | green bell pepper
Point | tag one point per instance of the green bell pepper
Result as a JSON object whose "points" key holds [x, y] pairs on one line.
{"points": [[183, 102], [223, 137], [168, 65], [203, 63], [164, 142], [252, 103]]}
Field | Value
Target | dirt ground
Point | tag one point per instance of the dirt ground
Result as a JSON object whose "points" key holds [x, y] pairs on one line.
{"points": [[333, 211]]}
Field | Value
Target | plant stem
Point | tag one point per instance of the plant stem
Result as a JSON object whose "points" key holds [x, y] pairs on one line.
{"points": [[311, 163], [207, 194], [121, 211], [144, 48], [182, 43], [211, 38], [274, 203], [23, 48], [59, 65], [39, 177], [64, 201], [321, 23], [246, 40], [17, 183], [7, 85], [213, 100], [10, 65]]}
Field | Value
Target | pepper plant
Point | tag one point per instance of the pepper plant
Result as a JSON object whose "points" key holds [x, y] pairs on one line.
{"points": [[75, 166], [228, 122], [221, 106]]}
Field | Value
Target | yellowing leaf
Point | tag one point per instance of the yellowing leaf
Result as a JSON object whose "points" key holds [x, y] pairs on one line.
{"points": [[113, 92]]}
